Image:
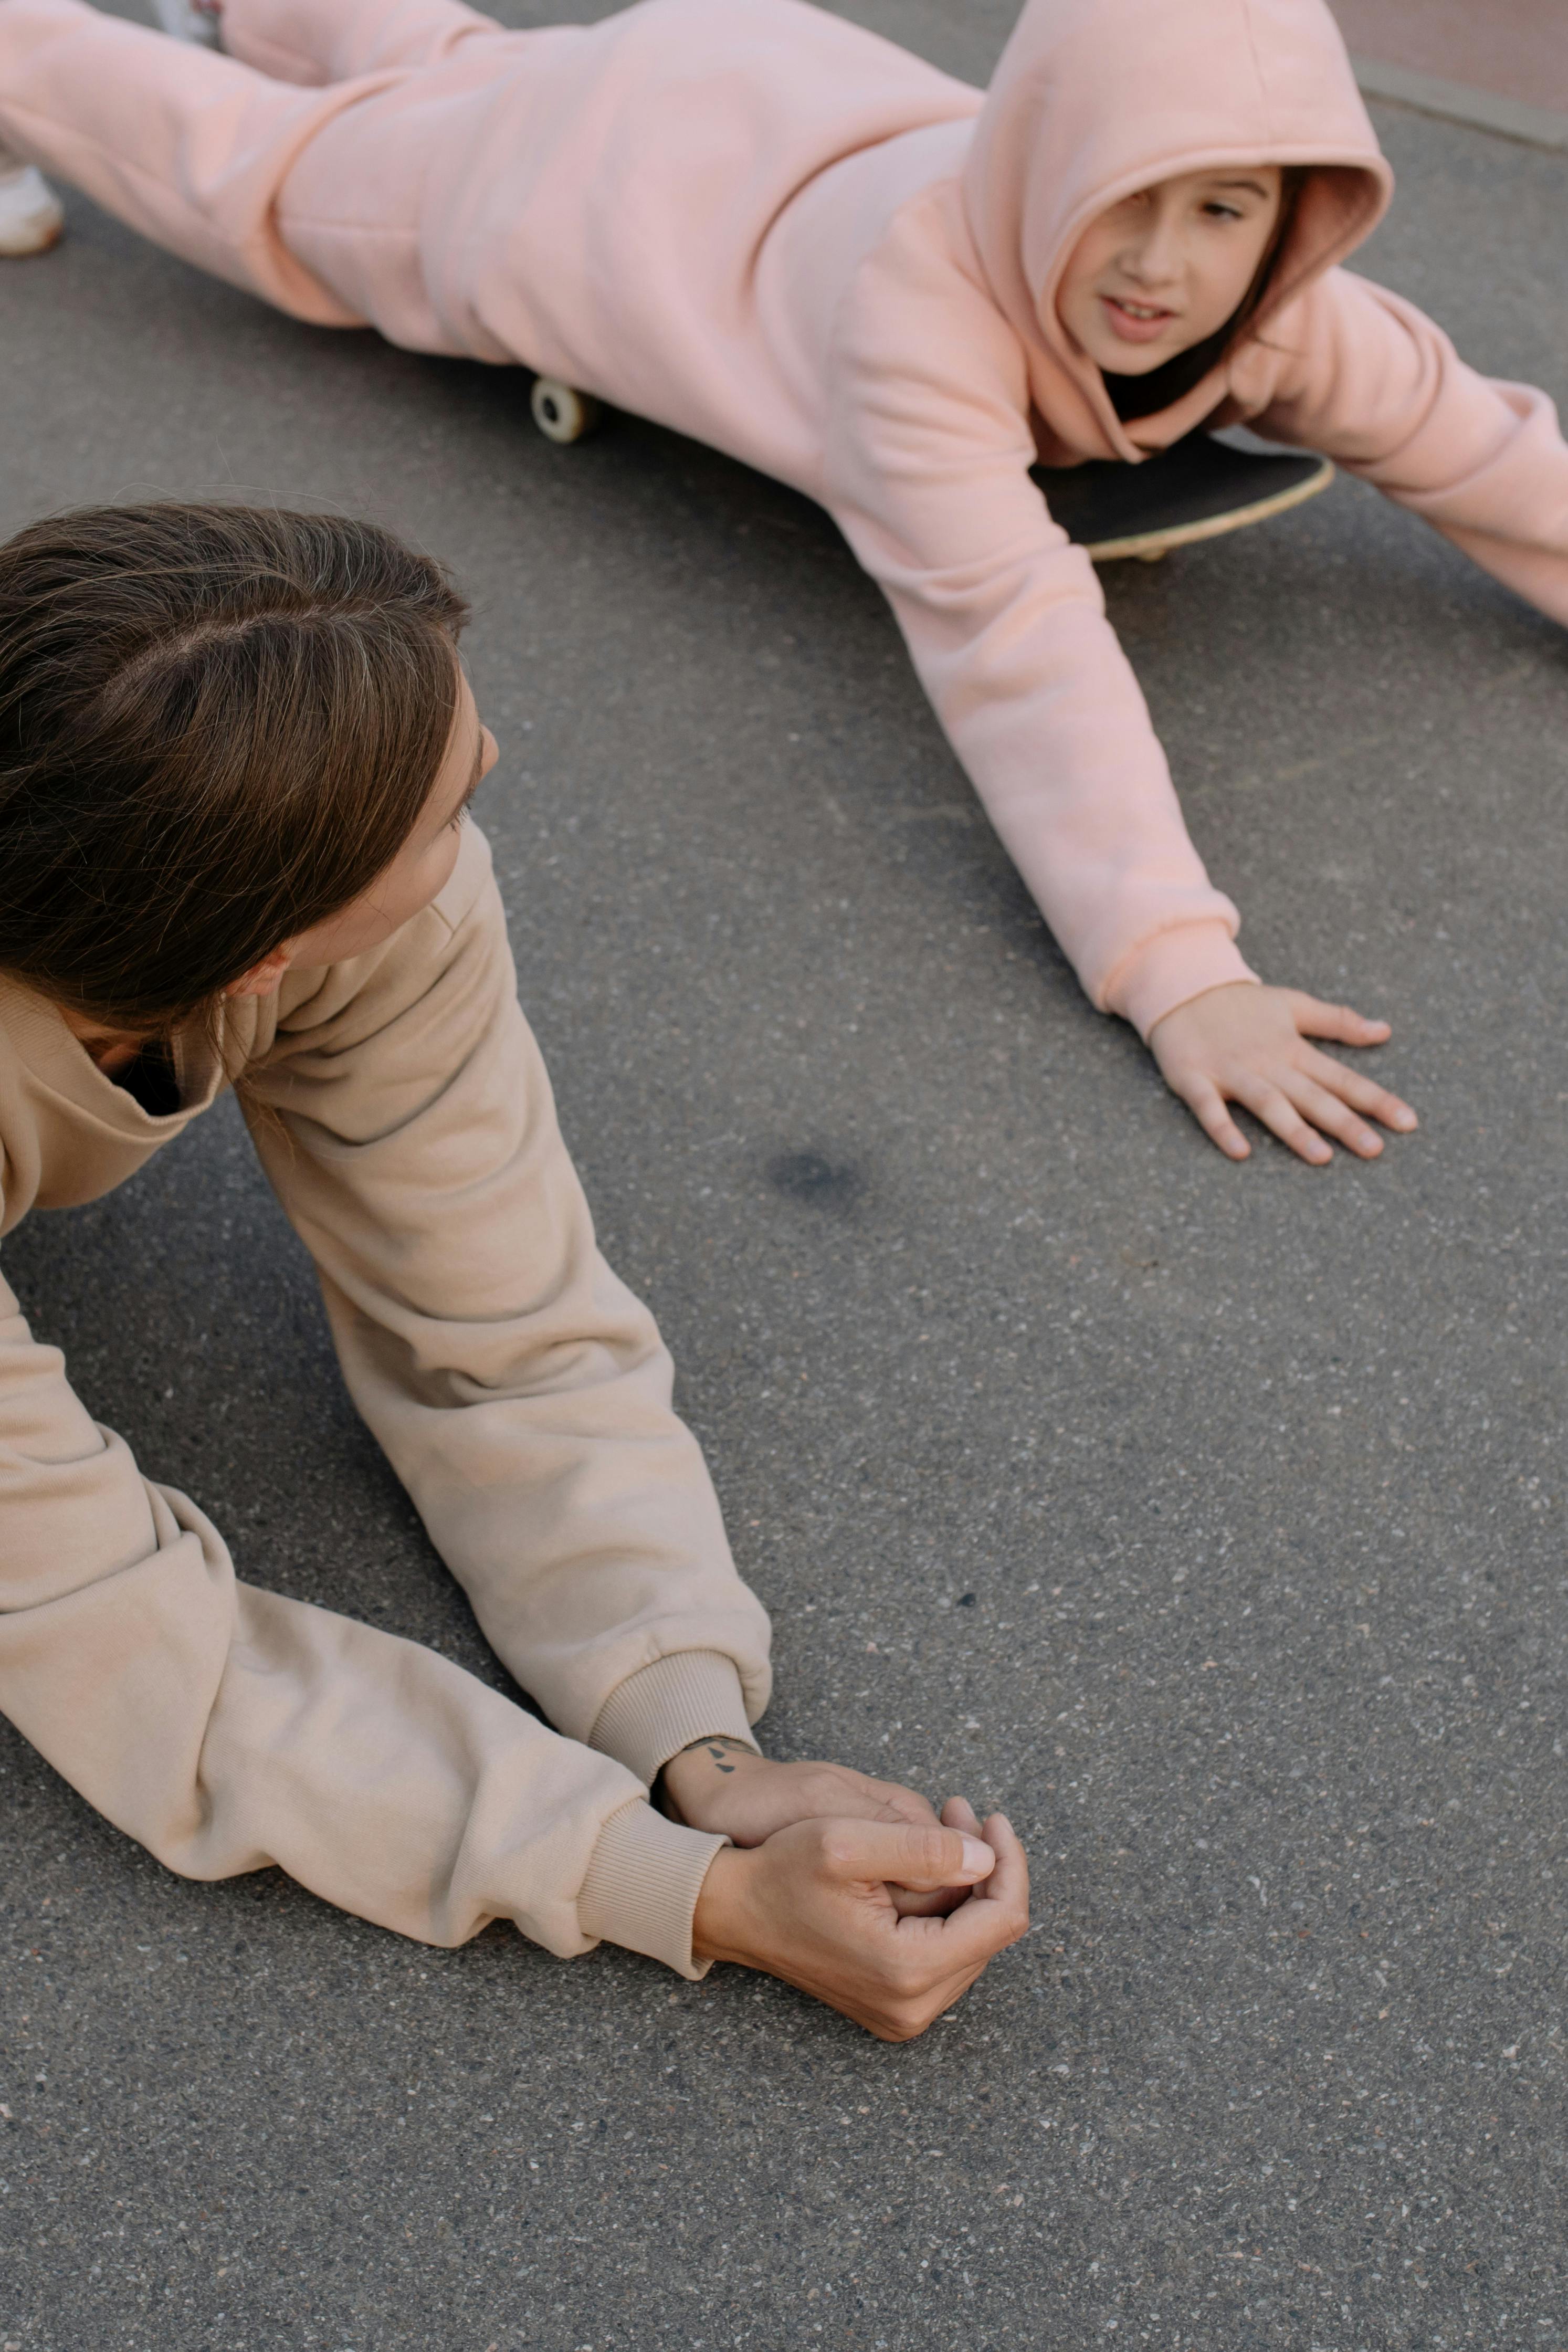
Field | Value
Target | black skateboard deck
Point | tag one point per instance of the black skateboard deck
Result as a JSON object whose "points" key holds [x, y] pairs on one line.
{"points": [[1198, 489]]}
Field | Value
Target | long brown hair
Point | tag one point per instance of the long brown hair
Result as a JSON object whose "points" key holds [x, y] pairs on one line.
{"points": [[1293, 178], [217, 726]]}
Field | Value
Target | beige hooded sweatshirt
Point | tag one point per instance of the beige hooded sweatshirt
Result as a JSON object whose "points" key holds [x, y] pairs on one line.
{"points": [[401, 1110], [775, 231]]}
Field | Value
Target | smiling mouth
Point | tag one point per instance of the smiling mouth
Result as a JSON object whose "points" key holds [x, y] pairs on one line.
{"points": [[1136, 322]]}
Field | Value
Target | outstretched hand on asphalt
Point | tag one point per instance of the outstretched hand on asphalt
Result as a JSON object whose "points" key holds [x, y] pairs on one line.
{"points": [[814, 1904], [1246, 1044]]}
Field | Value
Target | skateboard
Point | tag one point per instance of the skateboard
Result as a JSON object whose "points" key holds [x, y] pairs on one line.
{"points": [[1198, 489]]}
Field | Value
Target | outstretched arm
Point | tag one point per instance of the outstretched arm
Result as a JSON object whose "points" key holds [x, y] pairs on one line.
{"points": [[521, 1392], [1367, 378], [226, 1729], [928, 477]]}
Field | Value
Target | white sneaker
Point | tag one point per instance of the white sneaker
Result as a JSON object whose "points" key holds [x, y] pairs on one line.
{"points": [[196, 21], [30, 214]]}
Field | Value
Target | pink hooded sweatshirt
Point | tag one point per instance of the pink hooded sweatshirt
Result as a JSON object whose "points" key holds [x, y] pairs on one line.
{"points": [[778, 233]]}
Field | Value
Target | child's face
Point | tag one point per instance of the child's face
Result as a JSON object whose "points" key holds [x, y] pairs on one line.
{"points": [[421, 868], [1166, 267]]}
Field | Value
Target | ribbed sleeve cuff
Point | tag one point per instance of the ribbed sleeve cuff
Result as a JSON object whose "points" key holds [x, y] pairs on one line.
{"points": [[643, 1885], [662, 1708], [1172, 968]]}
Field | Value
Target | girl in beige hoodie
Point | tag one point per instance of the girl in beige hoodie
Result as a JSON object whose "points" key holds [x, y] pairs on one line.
{"points": [[236, 753], [773, 230]]}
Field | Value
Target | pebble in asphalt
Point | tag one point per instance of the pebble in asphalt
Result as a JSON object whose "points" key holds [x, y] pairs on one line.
{"points": [[1210, 1521]]}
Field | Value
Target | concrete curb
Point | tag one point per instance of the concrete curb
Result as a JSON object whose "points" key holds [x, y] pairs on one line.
{"points": [[1540, 126]]}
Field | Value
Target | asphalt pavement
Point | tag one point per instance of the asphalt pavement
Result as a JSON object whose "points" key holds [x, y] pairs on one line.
{"points": [[1209, 1519]]}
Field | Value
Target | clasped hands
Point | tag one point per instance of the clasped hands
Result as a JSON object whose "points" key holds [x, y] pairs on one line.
{"points": [[850, 1888]]}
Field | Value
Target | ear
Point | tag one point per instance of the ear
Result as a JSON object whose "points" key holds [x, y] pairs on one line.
{"points": [[265, 978]]}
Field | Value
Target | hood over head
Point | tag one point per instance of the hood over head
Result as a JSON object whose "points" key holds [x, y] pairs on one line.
{"points": [[1093, 99]]}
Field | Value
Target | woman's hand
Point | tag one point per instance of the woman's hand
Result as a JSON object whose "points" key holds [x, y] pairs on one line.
{"points": [[721, 1784], [1248, 1044], [813, 1904]]}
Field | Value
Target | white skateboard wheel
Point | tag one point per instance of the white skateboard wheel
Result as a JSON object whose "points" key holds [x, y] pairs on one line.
{"points": [[30, 214], [560, 411]]}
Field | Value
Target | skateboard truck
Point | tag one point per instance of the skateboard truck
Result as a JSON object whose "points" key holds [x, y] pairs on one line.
{"points": [[1198, 489]]}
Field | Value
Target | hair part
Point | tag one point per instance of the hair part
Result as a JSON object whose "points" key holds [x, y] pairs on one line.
{"points": [[218, 724]]}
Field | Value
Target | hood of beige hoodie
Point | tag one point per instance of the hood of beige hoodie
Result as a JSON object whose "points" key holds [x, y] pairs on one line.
{"points": [[1095, 99]]}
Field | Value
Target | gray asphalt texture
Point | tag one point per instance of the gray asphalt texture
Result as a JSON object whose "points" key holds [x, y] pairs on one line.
{"points": [[1210, 1520]]}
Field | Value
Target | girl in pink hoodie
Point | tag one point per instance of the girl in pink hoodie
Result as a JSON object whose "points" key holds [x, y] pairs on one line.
{"points": [[778, 233]]}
